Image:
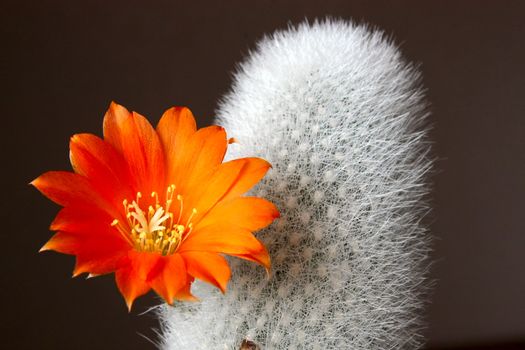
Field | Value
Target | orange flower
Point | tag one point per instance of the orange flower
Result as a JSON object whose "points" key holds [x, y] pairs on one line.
{"points": [[157, 207]]}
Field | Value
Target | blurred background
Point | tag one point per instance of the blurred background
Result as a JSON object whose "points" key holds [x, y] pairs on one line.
{"points": [[63, 62]]}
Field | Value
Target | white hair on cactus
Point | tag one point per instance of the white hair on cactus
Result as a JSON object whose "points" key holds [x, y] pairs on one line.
{"points": [[341, 116]]}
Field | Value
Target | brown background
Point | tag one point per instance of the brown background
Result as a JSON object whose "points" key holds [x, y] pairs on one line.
{"points": [[63, 61]]}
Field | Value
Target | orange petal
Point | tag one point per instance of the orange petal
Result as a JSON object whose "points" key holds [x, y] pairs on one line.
{"points": [[203, 152], [89, 220], [133, 278], [103, 165], [207, 195], [133, 136], [98, 264], [175, 128], [95, 253], [252, 172], [74, 243], [251, 213], [228, 240], [70, 189], [94, 236], [230, 180], [184, 293], [191, 155], [61, 242], [209, 267], [261, 258], [171, 279], [208, 147]]}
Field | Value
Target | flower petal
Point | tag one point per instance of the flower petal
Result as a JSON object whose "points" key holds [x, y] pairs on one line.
{"points": [[133, 136], [228, 240], [90, 220], [191, 156], [171, 279], [97, 160], [206, 196], [230, 180], [70, 189], [184, 293], [133, 278], [175, 128], [252, 172], [209, 267], [95, 254], [74, 244], [208, 147], [114, 120], [98, 264], [251, 213], [199, 160], [90, 223]]}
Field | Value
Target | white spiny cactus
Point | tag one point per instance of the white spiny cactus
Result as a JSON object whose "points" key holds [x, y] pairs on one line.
{"points": [[341, 116]]}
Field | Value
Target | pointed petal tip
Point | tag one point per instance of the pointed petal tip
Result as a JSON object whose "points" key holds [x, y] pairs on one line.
{"points": [[114, 107], [178, 109], [222, 287], [262, 164], [76, 273], [168, 298], [38, 181], [79, 270], [265, 162], [185, 295], [217, 128], [266, 262], [44, 248], [76, 138], [129, 304], [190, 298], [268, 272]]}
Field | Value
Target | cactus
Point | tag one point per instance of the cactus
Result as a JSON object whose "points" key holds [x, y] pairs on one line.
{"points": [[342, 118]]}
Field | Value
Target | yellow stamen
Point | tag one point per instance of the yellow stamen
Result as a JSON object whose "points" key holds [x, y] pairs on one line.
{"points": [[179, 198], [193, 212], [156, 196], [155, 229], [121, 230]]}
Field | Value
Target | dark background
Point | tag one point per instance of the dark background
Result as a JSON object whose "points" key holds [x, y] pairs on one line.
{"points": [[64, 61]]}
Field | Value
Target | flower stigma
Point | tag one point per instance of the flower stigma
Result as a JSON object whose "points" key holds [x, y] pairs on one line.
{"points": [[157, 229]]}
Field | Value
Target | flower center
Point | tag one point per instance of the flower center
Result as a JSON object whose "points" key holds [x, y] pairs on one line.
{"points": [[156, 229]]}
